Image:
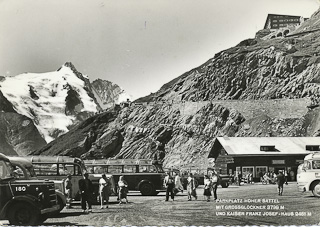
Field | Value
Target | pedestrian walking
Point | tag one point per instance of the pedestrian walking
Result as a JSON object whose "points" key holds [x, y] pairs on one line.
{"points": [[104, 190], [214, 184], [280, 181], [123, 189], [178, 187], [86, 190], [169, 185], [286, 177], [191, 187], [68, 190], [207, 187]]}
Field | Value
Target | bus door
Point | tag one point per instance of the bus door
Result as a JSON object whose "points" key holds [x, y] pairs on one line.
{"points": [[131, 176]]}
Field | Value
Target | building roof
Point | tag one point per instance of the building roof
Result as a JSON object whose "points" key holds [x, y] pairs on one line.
{"points": [[244, 146]]}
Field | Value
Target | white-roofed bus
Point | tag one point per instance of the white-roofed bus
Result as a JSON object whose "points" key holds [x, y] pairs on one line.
{"points": [[144, 175], [308, 176], [57, 168]]}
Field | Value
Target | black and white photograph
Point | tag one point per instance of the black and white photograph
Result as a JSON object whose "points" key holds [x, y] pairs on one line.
{"points": [[159, 112]]}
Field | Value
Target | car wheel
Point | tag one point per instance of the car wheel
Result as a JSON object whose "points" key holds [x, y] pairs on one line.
{"points": [[21, 214], [225, 184], [316, 190], [147, 189]]}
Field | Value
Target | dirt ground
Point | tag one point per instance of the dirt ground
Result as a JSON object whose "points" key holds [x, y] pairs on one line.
{"points": [[293, 208]]}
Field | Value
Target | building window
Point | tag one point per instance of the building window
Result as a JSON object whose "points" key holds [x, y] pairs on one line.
{"points": [[246, 170], [263, 169]]}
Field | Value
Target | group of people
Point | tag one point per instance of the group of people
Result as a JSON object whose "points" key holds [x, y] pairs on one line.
{"points": [[173, 185], [86, 191], [271, 177]]}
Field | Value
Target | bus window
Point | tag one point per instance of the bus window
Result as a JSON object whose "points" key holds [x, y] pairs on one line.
{"points": [[99, 169], [316, 164], [147, 169], [114, 169], [129, 169], [45, 169], [306, 165]]}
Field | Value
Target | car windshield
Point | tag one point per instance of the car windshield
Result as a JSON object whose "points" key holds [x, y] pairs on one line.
{"points": [[6, 170]]}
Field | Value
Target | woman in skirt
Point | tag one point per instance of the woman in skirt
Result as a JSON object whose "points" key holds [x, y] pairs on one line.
{"points": [[207, 187]]}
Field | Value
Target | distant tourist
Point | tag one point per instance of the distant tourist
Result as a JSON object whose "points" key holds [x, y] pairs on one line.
{"points": [[286, 177], [123, 189], [68, 191], [191, 187], [169, 185], [239, 178], [177, 183], [207, 187], [280, 181], [86, 190], [104, 190], [214, 184], [261, 175]]}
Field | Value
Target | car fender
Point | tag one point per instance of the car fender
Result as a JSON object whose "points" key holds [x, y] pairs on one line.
{"points": [[62, 196], [33, 201]]}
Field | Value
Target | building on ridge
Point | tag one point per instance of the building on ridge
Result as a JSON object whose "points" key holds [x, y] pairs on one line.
{"points": [[276, 21]]}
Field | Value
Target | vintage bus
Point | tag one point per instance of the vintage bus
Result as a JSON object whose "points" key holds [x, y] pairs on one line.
{"points": [[142, 175], [57, 168], [308, 176]]}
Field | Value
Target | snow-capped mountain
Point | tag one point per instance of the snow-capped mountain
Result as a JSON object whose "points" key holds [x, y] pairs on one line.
{"points": [[54, 100], [108, 93]]}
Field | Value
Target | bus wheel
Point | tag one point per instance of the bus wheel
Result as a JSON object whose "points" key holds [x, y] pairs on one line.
{"points": [[316, 190], [21, 214], [146, 189]]}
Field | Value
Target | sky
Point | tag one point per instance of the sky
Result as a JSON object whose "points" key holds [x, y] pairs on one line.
{"points": [[138, 44]]}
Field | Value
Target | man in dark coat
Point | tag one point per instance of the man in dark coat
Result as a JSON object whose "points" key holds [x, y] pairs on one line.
{"points": [[169, 185], [86, 189], [280, 181]]}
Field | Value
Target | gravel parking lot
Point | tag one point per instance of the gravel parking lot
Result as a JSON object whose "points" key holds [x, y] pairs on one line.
{"points": [[245, 205]]}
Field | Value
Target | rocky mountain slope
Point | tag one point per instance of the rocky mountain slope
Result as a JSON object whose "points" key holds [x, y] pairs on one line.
{"points": [[108, 94], [270, 67], [266, 86]]}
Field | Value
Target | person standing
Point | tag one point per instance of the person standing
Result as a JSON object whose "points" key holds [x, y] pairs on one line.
{"points": [[214, 184], [286, 177], [169, 185], [239, 178], [207, 187], [86, 189], [261, 176], [104, 190], [280, 181], [123, 189], [68, 191], [177, 183], [191, 187]]}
